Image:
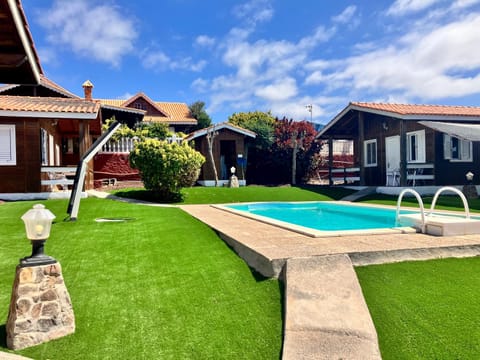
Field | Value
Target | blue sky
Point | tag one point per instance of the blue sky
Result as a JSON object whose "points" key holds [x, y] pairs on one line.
{"points": [[267, 55]]}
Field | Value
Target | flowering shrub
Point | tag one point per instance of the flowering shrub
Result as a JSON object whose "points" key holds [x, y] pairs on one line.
{"points": [[166, 168]]}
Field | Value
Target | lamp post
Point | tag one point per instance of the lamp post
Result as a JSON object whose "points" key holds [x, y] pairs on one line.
{"points": [[40, 307], [233, 182], [38, 222], [469, 189], [469, 177]]}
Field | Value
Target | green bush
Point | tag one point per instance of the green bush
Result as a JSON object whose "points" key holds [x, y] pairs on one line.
{"points": [[166, 168]]}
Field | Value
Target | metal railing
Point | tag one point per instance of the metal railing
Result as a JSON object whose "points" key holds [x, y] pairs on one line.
{"points": [[125, 145]]}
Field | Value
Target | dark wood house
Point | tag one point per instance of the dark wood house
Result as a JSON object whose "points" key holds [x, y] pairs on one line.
{"points": [[44, 129], [407, 145], [229, 150]]}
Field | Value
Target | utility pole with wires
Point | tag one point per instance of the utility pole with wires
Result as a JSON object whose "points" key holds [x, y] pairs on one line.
{"points": [[310, 110]]}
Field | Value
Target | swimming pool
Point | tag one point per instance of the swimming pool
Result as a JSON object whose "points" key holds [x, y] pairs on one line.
{"points": [[322, 218]]}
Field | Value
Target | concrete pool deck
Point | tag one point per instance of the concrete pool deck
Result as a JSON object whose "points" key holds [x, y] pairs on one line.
{"points": [[325, 314], [266, 248]]}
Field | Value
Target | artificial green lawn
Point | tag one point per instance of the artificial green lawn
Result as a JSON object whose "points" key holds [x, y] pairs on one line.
{"points": [[444, 202], [165, 286], [219, 195], [426, 309], [162, 287]]}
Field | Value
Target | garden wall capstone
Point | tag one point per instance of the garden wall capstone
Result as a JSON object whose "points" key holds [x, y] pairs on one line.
{"points": [[40, 307]]}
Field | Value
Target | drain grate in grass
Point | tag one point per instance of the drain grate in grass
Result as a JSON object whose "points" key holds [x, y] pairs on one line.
{"points": [[114, 219]]}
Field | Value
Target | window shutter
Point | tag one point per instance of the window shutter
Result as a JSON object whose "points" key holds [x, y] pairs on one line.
{"points": [[7, 145], [421, 146], [447, 147], [466, 150]]}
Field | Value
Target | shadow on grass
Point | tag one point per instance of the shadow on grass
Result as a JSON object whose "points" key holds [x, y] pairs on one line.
{"points": [[3, 336], [146, 195], [336, 193]]}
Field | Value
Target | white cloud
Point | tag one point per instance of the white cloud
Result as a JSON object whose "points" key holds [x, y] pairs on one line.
{"points": [[463, 4], [281, 89], [254, 11], [431, 59], [263, 71], [159, 61], [429, 66], [346, 15], [155, 59], [99, 32], [125, 96], [402, 7], [204, 41], [200, 85]]}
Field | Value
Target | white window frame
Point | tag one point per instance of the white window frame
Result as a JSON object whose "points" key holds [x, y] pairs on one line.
{"points": [[464, 151], [367, 150], [8, 148], [416, 150]]}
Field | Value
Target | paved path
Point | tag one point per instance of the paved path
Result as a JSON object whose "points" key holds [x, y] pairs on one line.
{"points": [[325, 314]]}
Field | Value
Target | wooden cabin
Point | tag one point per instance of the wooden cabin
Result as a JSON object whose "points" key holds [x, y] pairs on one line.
{"points": [[407, 145], [230, 149]]}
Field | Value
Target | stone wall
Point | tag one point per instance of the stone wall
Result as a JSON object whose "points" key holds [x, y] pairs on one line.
{"points": [[114, 165], [40, 307]]}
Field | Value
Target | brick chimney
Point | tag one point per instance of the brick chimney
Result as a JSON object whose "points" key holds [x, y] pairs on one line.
{"points": [[87, 90]]}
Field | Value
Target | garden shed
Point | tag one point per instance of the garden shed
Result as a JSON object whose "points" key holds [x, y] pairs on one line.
{"points": [[230, 149]]}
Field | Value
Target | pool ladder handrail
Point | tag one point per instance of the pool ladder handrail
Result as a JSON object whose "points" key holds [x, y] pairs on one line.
{"points": [[456, 191], [420, 203]]}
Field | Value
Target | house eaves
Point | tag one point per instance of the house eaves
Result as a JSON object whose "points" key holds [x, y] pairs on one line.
{"points": [[234, 128], [21, 62], [409, 113], [48, 107]]}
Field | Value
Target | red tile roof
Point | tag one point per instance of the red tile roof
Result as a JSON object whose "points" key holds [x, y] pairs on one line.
{"points": [[412, 109], [49, 106], [176, 113]]}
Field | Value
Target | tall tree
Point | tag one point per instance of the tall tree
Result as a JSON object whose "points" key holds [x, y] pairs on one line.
{"points": [[262, 123], [292, 139], [200, 114]]}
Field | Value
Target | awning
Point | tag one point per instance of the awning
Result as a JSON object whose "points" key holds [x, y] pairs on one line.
{"points": [[462, 131]]}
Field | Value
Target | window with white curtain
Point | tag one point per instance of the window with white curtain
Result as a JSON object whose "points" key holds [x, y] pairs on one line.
{"points": [[8, 155], [370, 151], [455, 149], [416, 146]]}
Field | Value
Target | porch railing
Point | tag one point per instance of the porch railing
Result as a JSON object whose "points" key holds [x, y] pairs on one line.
{"points": [[56, 176], [419, 173], [340, 175], [125, 145]]}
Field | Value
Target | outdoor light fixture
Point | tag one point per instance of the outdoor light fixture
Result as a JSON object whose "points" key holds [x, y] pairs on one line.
{"points": [[469, 176], [38, 222]]}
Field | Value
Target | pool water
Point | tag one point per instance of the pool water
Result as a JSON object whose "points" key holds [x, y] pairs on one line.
{"points": [[324, 216]]}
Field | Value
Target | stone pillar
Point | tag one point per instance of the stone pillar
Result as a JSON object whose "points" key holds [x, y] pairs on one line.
{"points": [[470, 191], [233, 182], [40, 307]]}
